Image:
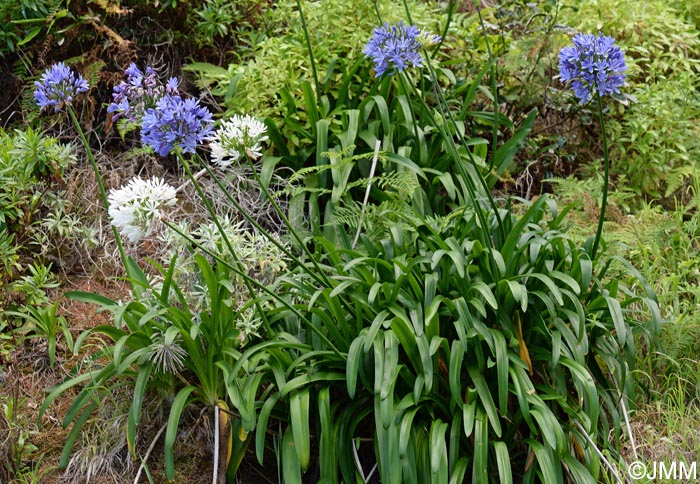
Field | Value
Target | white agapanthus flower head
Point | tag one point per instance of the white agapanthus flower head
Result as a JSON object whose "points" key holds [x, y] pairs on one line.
{"points": [[136, 206], [235, 137], [428, 39]]}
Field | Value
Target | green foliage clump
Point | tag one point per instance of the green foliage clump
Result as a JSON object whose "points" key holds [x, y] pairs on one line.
{"points": [[21, 21], [260, 259], [472, 359], [176, 350], [29, 163], [217, 19], [658, 135]]}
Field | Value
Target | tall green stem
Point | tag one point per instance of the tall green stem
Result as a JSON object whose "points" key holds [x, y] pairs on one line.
{"points": [[404, 86], [606, 174], [100, 184], [494, 88], [215, 219], [446, 29], [475, 177], [308, 46]]}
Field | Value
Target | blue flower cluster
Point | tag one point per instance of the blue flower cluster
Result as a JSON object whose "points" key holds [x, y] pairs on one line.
{"points": [[139, 93], [58, 85], [175, 122], [396, 46], [594, 64]]}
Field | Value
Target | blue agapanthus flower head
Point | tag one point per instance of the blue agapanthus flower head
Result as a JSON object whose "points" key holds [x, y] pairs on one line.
{"points": [[58, 86], [175, 122], [594, 64], [395, 47], [139, 92]]}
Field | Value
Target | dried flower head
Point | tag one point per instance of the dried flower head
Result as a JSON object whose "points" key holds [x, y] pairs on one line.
{"points": [[58, 86], [138, 93], [594, 64], [134, 207], [166, 353], [175, 122], [397, 47], [235, 137]]}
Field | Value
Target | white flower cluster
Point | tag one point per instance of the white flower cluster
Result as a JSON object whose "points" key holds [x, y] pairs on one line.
{"points": [[428, 39], [134, 207], [235, 137]]}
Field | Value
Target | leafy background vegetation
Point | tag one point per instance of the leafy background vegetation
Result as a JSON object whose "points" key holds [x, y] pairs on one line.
{"points": [[447, 343]]}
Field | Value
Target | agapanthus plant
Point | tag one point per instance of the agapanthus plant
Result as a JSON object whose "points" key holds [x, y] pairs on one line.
{"points": [[175, 122], [397, 47], [595, 67], [136, 206], [138, 93], [235, 137], [594, 64], [58, 86]]}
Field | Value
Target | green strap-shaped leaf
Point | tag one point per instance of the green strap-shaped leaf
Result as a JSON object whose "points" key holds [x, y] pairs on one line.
{"points": [[261, 430], [455, 370], [299, 422], [618, 319], [438, 453], [579, 473], [74, 433], [550, 470], [505, 475], [504, 155], [405, 429], [91, 298], [501, 350], [460, 470], [481, 447], [328, 443], [291, 469], [487, 403], [179, 403], [135, 410], [353, 364]]}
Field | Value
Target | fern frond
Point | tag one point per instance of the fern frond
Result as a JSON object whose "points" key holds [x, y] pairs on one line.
{"points": [[302, 173], [404, 182], [93, 72], [677, 177]]}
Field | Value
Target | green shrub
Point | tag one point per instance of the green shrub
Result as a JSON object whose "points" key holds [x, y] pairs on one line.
{"points": [[657, 137], [22, 21], [31, 163], [217, 19], [651, 129]]}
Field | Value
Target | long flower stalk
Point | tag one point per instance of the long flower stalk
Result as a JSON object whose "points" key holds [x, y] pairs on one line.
{"points": [[595, 67], [100, 183], [212, 212], [606, 176], [394, 48], [494, 87]]}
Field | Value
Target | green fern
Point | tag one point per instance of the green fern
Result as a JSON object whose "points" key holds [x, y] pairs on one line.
{"points": [[377, 220], [677, 177], [403, 182]]}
